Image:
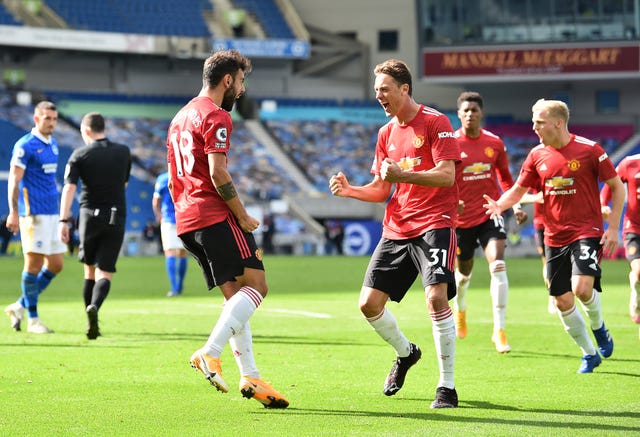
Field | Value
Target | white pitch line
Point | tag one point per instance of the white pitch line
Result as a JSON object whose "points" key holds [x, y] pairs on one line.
{"points": [[298, 313]]}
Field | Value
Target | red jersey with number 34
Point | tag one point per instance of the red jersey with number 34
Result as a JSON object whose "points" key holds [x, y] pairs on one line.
{"points": [[418, 146], [569, 178], [198, 129]]}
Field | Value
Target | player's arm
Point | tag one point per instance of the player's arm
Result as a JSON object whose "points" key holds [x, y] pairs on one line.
{"points": [[442, 175], [155, 204], [66, 200], [507, 200], [610, 237], [16, 173], [532, 198], [224, 185], [375, 191]]}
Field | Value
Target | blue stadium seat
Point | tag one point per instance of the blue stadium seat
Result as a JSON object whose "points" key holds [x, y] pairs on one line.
{"points": [[152, 17]]}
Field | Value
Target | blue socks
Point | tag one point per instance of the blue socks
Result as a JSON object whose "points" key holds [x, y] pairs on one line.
{"points": [[32, 287], [182, 271], [176, 270], [30, 292]]}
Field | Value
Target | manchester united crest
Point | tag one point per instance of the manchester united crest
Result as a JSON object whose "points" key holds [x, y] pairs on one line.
{"points": [[418, 141], [573, 165], [259, 254], [489, 152]]}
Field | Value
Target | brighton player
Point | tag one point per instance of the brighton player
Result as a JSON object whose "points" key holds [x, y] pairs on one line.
{"points": [[416, 150], [174, 252], [629, 171], [568, 167], [213, 223], [484, 170], [33, 209]]}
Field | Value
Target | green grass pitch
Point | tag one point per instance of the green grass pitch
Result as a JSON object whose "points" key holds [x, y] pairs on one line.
{"points": [[311, 342]]}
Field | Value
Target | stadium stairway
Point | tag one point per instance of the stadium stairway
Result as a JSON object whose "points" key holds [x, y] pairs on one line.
{"points": [[629, 147]]}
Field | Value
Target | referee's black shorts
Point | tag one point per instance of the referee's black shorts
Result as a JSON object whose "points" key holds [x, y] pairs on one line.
{"points": [[100, 242]]}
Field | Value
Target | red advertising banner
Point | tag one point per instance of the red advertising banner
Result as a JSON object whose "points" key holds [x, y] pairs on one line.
{"points": [[440, 63]]}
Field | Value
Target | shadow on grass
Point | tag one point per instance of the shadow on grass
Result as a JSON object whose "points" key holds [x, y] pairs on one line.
{"points": [[600, 369], [440, 415]]}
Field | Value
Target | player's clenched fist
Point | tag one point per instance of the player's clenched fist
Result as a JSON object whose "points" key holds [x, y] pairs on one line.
{"points": [[338, 184]]}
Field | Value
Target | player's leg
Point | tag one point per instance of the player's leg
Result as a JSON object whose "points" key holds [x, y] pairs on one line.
{"points": [[182, 268], [171, 269], [632, 246], [559, 270], [52, 266], [171, 245], [467, 244], [499, 290], [444, 338], [551, 303], [586, 287], [389, 274], [634, 298]]}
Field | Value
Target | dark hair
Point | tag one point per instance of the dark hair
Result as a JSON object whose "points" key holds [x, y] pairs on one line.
{"points": [[398, 70], [471, 96], [222, 63], [94, 121], [45, 104]]}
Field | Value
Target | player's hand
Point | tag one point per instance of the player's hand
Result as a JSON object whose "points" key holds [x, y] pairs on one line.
{"points": [[460, 207], [492, 208], [13, 222], [338, 184], [606, 211], [521, 216], [390, 171], [609, 241], [63, 232], [248, 223]]}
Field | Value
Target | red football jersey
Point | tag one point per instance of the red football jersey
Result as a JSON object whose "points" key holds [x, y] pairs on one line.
{"points": [[569, 177], [484, 170], [418, 146], [538, 213], [199, 128], [629, 171]]}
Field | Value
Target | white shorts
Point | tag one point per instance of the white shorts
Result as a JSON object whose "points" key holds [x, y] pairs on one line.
{"points": [[39, 234], [169, 235]]}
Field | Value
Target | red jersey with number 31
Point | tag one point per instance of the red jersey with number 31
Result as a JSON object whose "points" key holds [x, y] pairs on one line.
{"points": [[569, 178], [418, 146], [198, 129]]}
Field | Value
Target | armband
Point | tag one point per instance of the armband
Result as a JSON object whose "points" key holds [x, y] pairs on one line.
{"points": [[227, 191]]}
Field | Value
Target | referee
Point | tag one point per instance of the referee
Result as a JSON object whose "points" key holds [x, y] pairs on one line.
{"points": [[103, 167]]}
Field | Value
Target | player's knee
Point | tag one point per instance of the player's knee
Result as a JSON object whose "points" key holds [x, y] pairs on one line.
{"points": [[498, 266]]}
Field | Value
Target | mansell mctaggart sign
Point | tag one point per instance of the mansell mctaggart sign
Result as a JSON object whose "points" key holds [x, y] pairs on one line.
{"points": [[542, 61]]}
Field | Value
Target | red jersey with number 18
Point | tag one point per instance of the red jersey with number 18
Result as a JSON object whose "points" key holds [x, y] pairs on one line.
{"points": [[418, 146], [569, 177], [198, 129]]}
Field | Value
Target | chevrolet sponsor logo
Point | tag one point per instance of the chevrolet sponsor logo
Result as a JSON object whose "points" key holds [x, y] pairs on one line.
{"points": [[408, 163], [477, 167], [558, 182]]}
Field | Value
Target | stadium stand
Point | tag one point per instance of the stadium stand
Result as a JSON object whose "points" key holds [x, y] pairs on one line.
{"points": [[269, 15], [150, 17], [6, 18], [324, 147]]}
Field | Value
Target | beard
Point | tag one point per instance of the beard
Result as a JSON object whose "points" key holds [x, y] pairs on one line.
{"points": [[228, 100]]}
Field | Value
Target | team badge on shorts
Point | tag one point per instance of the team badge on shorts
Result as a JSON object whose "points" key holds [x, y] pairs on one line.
{"points": [[259, 254]]}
